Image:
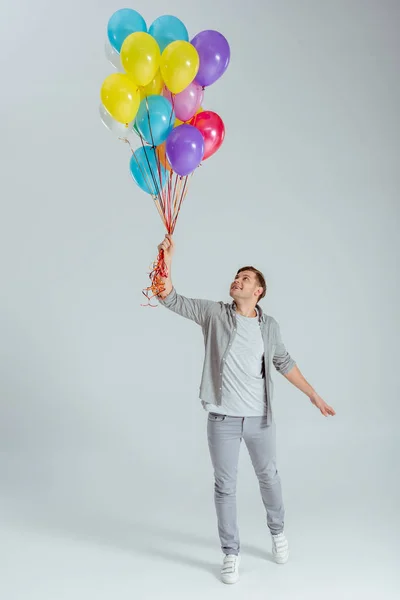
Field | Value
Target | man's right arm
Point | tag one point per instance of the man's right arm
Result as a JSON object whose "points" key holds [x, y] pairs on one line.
{"points": [[194, 309]]}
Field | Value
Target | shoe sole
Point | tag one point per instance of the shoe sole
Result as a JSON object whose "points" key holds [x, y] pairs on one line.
{"points": [[230, 582], [281, 561]]}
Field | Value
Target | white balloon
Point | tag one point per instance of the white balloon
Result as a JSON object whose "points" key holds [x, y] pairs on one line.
{"points": [[113, 57], [119, 129]]}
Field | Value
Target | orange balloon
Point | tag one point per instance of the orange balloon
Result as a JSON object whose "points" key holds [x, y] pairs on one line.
{"points": [[162, 156]]}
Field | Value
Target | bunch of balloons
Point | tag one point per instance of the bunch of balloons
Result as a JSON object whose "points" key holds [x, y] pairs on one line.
{"points": [[157, 94]]}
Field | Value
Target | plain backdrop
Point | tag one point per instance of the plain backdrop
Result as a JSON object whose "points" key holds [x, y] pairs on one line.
{"points": [[106, 486]]}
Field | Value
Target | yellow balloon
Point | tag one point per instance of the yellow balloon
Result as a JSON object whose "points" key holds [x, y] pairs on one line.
{"points": [[179, 65], [140, 57], [153, 88], [121, 97]]}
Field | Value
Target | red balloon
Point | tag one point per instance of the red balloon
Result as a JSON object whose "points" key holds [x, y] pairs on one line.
{"points": [[212, 128]]}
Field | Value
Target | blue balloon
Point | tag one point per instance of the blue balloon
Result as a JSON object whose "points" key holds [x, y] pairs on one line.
{"points": [[168, 29], [145, 172], [122, 23], [155, 119]]}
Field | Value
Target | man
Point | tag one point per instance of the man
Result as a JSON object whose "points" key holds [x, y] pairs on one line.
{"points": [[241, 345]]}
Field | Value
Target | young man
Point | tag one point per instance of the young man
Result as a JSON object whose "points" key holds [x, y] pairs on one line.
{"points": [[241, 346]]}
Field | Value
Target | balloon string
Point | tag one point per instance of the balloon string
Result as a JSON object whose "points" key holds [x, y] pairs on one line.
{"points": [[183, 196], [173, 108], [156, 186], [157, 275], [168, 201]]}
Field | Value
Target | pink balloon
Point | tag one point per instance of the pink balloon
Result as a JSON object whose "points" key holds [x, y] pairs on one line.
{"points": [[186, 103]]}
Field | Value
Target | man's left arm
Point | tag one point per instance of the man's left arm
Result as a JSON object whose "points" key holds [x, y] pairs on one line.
{"points": [[285, 365]]}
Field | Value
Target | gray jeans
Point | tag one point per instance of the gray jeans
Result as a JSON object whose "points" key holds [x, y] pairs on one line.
{"points": [[224, 438]]}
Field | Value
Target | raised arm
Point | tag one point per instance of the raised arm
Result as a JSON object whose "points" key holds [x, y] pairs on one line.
{"points": [[196, 310]]}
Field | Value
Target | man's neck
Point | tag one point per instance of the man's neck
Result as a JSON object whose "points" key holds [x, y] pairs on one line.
{"points": [[246, 310]]}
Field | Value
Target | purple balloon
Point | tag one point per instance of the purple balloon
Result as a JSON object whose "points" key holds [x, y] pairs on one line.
{"points": [[214, 53], [185, 149]]}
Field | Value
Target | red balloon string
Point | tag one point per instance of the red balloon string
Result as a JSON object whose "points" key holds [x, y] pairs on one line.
{"points": [[158, 274]]}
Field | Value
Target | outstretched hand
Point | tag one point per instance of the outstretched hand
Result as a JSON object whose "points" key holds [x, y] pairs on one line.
{"points": [[325, 409]]}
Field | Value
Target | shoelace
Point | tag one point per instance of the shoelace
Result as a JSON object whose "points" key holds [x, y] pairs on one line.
{"points": [[229, 563]]}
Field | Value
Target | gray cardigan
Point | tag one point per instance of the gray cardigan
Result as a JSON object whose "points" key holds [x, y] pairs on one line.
{"points": [[218, 322]]}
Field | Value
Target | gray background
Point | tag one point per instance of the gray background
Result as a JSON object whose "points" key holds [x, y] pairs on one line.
{"points": [[106, 484]]}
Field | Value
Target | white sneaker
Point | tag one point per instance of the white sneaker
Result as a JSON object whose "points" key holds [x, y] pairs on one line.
{"points": [[280, 548], [230, 568]]}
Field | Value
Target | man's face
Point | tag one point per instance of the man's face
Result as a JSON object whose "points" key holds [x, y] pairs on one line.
{"points": [[245, 286]]}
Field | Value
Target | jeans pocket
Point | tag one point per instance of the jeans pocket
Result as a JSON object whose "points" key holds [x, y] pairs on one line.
{"points": [[216, 417]]}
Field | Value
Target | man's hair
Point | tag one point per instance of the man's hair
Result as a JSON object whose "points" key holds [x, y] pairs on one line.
{"points": [[260, 279]]}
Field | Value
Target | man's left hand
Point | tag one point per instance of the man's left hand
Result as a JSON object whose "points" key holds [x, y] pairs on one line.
{"points": [[325, 409]]}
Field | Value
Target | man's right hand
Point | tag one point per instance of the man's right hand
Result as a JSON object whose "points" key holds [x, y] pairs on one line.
{"points": [[168, 246]]}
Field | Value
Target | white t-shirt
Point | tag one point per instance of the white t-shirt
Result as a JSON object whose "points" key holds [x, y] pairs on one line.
{"points": [[243, 384]]}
